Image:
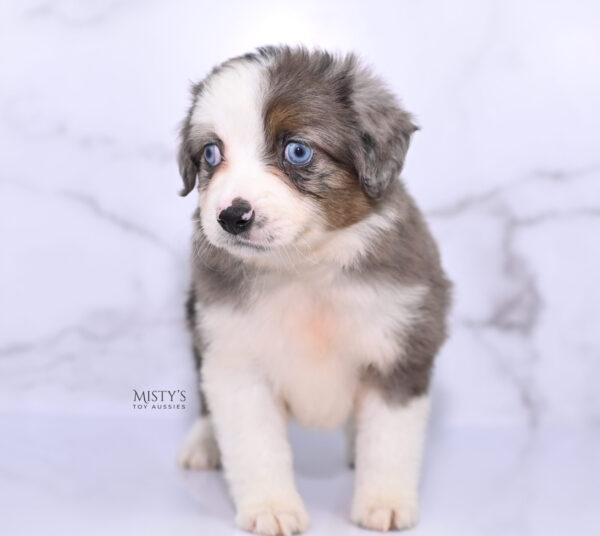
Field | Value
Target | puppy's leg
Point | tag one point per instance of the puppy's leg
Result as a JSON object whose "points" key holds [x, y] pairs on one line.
{"points": [[251, 429], [389, 444], [350, 433], [199, 449]]}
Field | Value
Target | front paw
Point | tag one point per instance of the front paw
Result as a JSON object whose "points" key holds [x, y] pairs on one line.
{"points": [[280, 516], [199, 450], [385, 512]]}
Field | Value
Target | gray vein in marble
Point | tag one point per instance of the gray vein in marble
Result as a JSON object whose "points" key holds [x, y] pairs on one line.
{"points": [[75, 16], [56, 338], [542, 175], [518, 314], [554, 215], [564, 175], [520, 311], [45, 128], [95, 208], [92, 331], [522, 382], [125, 225]]}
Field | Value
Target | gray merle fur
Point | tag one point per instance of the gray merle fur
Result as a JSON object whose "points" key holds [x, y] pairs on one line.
{"points": [[340, 105]]}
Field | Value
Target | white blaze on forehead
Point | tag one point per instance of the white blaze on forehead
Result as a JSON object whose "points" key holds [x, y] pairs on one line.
{"points": [[231, 106]]}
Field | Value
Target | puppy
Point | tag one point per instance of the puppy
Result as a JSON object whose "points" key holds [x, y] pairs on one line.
{"points": [[317, 291]]}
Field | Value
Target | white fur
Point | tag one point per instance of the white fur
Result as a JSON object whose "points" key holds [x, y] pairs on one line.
{"points": [[251, 429], [311, 335], [301, 347], [389, 445], [200, 449], [231, 106], [343, 247], [303, 343], [337, 249]]}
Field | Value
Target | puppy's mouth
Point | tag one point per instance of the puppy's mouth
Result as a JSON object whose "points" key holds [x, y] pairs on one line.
{"points": [[246, 243], [262, 238]]}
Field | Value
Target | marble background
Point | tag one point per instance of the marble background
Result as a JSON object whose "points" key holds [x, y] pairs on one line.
{"points": [[94, 256]]}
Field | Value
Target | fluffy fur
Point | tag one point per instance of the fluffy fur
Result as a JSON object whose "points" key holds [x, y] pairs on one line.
{"points": [[330, 306]]}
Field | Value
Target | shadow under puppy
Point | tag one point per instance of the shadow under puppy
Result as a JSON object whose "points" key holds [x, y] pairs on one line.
{"points": [[317, 290]]}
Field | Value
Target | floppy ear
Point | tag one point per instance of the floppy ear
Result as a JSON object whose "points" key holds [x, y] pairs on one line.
{"points": [[385, 132], [188, 168]]}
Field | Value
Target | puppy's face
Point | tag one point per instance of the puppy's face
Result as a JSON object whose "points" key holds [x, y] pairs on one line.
{"points": [[287, 147]]}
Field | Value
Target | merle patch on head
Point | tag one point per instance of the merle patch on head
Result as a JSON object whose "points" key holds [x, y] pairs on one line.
{"points": [[358, 130]]}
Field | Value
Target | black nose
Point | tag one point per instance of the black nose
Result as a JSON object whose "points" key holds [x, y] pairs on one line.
{"points": [[237, 217]]}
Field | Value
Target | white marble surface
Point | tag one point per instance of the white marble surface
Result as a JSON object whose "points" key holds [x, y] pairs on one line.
{"points": [[98, 476], [93, 268]]}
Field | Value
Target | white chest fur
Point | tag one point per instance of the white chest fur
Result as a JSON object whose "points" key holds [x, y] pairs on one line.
{"points": [[310, 337]]}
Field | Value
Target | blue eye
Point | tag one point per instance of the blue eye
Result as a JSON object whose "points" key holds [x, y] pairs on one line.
{"points": [[297, 153], [212, 155]]}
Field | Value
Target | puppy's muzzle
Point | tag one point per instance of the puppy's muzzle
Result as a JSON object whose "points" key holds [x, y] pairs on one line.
{"points": [[237, 217]]}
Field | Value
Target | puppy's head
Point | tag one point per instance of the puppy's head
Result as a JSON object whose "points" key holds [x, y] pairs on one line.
{"points": [[288, 146]]}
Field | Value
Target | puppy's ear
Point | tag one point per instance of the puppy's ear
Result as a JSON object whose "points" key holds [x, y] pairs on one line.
{"points": [[188, 167], [385, 132]]}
